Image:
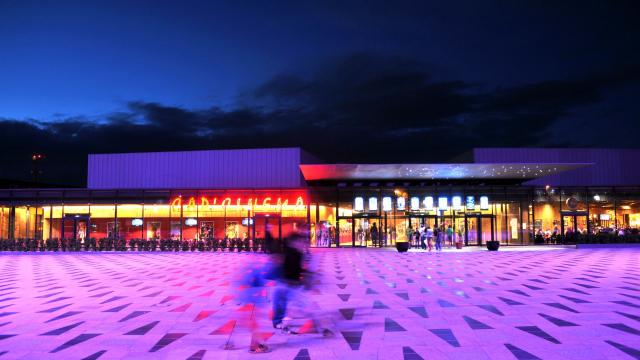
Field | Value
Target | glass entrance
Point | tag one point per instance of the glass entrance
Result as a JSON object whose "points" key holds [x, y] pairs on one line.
{"points": [[367, 232], [479, 229], [413, 226], [153, 230], [75, 227], [416, 223], [472, 231], [260, 225], [412, 231], [430, 222], [574, 224], [486, 229], [323, 234], [568, 224]]}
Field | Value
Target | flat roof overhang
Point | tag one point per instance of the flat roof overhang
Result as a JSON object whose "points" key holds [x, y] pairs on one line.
{"points": [[515, 171]]}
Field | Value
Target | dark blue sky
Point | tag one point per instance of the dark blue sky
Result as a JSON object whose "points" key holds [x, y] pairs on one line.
{"points": [[80, 76]]}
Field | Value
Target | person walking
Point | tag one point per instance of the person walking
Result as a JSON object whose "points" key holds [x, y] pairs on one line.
{"points": [[374, 235], [439, 239], [270, 243], [252, 298], [294, 278], [429, 237], [450, 235], [290, 277]]}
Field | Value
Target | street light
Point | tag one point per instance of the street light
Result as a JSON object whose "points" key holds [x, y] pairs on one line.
{"points": [[36, 159]]}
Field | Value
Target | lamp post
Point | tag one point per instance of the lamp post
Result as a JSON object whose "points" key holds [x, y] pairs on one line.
{"points": [[36, 160]]}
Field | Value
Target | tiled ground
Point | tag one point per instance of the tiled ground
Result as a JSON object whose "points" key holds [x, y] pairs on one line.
{"points": [[557, 304]]}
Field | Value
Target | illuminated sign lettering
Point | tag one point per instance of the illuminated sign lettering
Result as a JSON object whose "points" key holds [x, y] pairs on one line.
{"points": [[256, 204], [471, 203]]}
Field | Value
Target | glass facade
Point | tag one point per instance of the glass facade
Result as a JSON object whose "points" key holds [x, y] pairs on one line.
{"points": [[156, 215], [338, 215], [475, 215], [382, 217]]}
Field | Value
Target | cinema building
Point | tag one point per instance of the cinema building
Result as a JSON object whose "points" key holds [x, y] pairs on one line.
{"points": [[489, 194]]}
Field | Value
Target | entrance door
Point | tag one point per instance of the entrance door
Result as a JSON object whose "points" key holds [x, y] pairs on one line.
{"points": [[324, 234], [478, 229], [486, 229], [472, 232], [414, 224], [568, 224], [431, 221], [417, 222], [75, 227], [367, 231], [574, 223], [262, 224]]}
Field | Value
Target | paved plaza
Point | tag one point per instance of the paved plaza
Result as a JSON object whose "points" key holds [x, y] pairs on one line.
{"points": [[535, 304]]}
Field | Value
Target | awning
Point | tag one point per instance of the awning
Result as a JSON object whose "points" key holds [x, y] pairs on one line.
{"points": [[433, 171]]}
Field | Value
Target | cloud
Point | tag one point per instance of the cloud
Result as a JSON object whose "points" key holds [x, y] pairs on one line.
{"points": [[363, 108]]}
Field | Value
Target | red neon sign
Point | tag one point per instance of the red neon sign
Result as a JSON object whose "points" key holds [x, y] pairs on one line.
{"points": [[264, 203]]}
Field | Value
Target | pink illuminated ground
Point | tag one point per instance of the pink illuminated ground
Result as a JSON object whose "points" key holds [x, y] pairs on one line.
{"points": [[551, 304]]}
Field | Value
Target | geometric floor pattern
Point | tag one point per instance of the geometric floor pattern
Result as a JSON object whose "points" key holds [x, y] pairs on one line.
{"points": [[554, 304]]}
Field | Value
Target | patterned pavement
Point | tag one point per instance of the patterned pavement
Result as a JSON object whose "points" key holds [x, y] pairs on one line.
{"points": [[552, 304]]}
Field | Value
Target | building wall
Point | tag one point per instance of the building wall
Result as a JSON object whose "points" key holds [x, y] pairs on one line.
{"points": [[611, 167], [210, 214], [210, 169]]}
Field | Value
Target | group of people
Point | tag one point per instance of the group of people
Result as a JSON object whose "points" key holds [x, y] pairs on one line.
{"points": [[293, 270], [550, 235], [376, 234], [427, 237], [324, 234], [364, 233]]}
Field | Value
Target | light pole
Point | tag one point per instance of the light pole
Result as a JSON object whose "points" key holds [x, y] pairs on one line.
{"points": [[36, 160]]}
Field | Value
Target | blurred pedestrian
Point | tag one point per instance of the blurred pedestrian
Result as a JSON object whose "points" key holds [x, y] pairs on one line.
{"points": [[270, 243], [439, 239], [429, 237], [294, 279], [252, 296]]}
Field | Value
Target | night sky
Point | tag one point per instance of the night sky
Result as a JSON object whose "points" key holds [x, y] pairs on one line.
{"points": [[355, 81]]}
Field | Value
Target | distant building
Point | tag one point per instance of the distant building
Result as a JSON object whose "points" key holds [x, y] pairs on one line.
{"points": [[502, 194]]}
